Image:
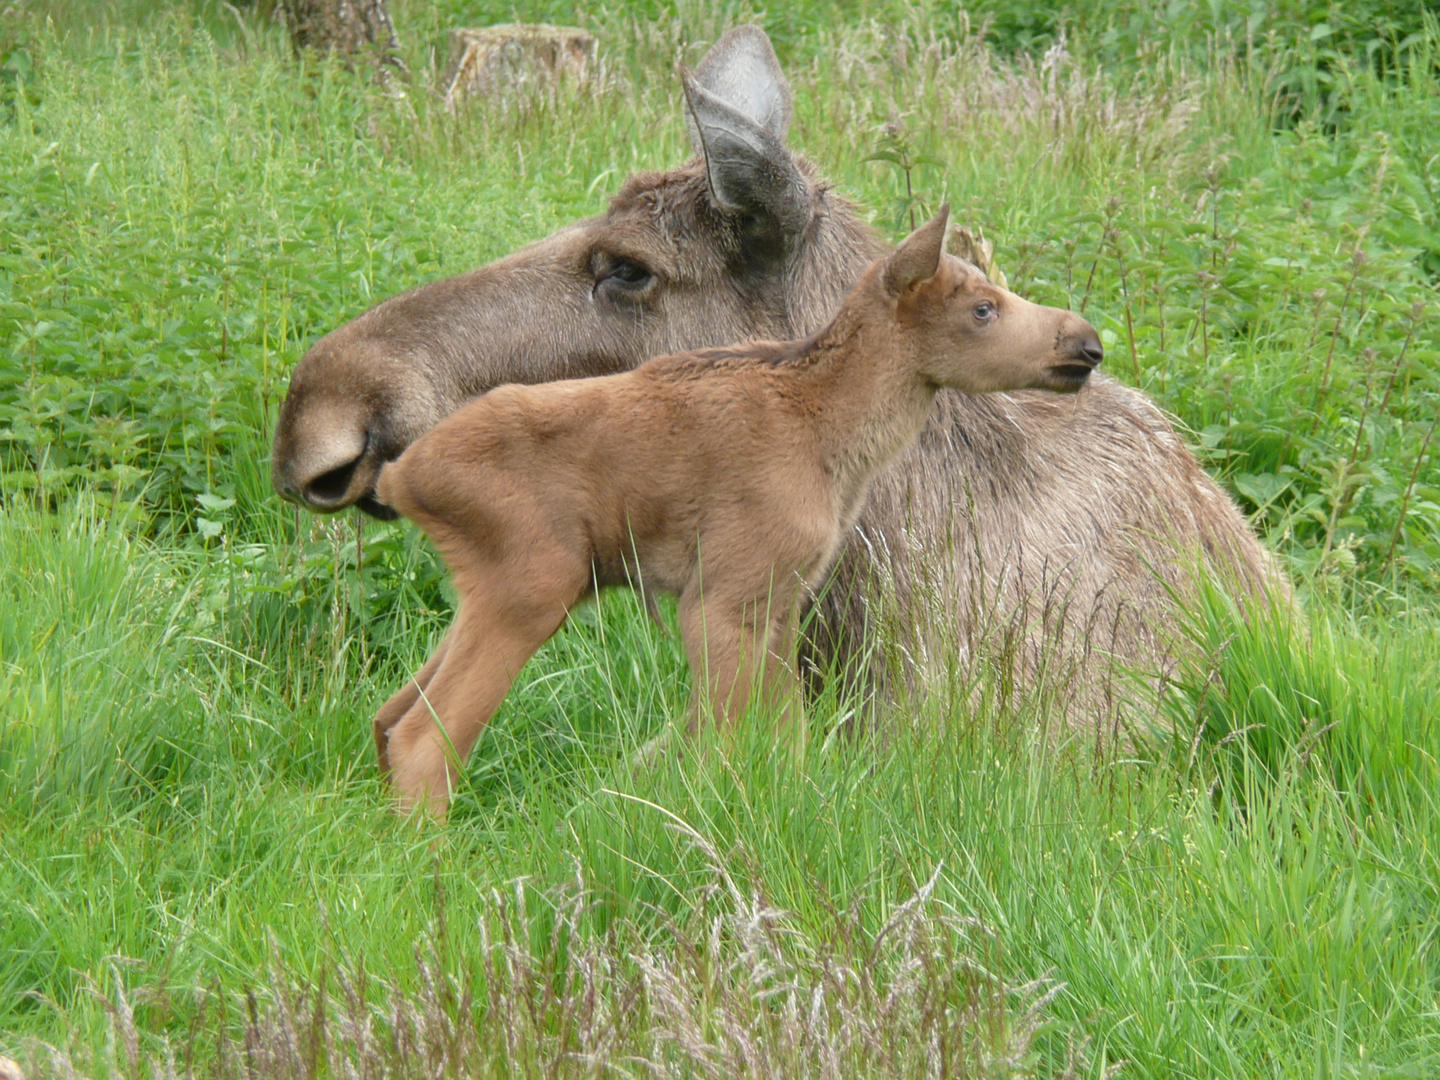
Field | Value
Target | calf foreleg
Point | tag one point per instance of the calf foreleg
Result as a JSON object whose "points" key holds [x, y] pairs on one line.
{"points": [[505, 615], [394, 710], [738, 650]]}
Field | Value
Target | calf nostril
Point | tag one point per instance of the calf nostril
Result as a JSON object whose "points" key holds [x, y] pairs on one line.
{"points": [[1093, 351], [329, 488]]}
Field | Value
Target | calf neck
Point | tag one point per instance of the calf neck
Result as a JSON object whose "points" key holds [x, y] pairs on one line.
{"points": [[725, 477]]}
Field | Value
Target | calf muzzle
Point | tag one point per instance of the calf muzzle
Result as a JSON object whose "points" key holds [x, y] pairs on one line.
{"points": [[1082, 356]]}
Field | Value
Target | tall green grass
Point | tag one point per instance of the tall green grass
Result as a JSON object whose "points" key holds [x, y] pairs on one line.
{"points": [[1220, 908], [189, 812]]}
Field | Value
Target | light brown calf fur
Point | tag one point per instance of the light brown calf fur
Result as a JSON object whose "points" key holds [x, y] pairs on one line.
{"points": [[725, 477]]}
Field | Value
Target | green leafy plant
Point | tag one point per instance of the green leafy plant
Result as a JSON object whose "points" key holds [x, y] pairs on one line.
{"points": [[894, 146]]}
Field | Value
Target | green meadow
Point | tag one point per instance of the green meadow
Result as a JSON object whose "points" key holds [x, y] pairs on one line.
{"points": [[199, 872]]}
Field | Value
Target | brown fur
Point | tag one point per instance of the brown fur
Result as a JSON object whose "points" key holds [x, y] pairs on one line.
{"points": [[725, 477], [1020, 523]]}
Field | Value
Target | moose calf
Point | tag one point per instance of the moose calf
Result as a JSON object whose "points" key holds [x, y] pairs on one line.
{"points": [[726, 476]]}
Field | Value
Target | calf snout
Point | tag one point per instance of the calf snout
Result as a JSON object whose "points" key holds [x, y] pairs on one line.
{"points": [[1078, 352], [1089, 349]]}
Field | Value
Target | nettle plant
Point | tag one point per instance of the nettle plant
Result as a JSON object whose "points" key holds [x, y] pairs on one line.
{"points": [[1297, 341]]}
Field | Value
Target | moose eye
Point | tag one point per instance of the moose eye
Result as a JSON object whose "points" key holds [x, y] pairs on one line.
{"points": [[626, 275], [984, 310]]}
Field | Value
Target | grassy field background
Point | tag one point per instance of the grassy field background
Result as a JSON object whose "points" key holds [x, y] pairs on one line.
{"points": [[197, 869]]}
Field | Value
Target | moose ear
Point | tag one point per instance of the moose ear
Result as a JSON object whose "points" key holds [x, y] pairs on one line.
{"points": [[741, 70], [918, 257], [739, 108], [749, 169]]}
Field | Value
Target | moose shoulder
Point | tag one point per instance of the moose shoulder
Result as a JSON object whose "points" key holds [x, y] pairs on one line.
{"points": [[1045, 533]]}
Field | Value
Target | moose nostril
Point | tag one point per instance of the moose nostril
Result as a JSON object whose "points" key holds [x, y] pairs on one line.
{"points": [[329, 488], [1092, 350]]}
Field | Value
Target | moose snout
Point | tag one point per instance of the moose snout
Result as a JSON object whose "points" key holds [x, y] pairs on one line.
{"points": [[328, 466], [320, 479]]}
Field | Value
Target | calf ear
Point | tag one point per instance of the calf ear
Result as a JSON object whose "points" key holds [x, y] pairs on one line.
{"points": [[741, 70], [918, 257]]}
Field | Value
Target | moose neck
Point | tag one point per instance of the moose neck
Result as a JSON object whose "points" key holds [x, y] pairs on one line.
{"points": [[874, 401], [836, 251]]}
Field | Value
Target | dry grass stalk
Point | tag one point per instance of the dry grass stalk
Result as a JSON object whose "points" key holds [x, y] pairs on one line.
{"points": [[737, 988], [979, 252], [982, 98]]}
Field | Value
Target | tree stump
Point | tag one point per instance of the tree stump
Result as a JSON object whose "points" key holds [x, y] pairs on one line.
{"points": [[347, 27], [514, 55]]}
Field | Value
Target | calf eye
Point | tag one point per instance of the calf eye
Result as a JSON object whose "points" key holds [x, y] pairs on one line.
{"points": [[984, 310]]}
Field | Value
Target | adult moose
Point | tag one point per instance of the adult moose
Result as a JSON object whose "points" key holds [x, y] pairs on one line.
{"points": [[1044, 532]]}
